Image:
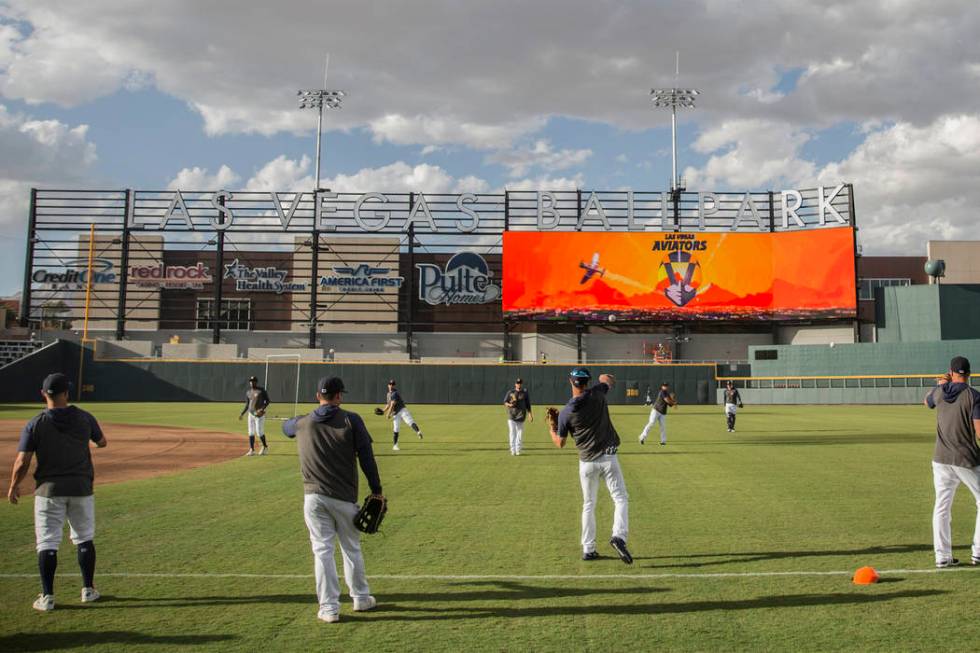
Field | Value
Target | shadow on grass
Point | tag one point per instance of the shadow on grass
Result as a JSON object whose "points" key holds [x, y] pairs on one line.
{"points": [[52, 641], [809, 439], [705, 559], [388, 612]]}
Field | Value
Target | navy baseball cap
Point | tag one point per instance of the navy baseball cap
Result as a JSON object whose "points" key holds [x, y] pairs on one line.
{"points": [[55, 384], [391, 382], [519, 380], [580, 375], [253, 378], [960, 365], [330, 385]]}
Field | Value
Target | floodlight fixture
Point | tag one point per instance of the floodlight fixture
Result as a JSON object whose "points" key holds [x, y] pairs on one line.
{"points": [[671, 98], [318, 99]]}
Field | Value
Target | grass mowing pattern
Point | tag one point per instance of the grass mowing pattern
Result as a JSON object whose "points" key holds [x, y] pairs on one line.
{"points": [[795, 489]]}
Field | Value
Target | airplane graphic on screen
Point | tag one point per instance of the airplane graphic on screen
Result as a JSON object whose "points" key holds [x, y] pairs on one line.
{"points": [[591, 268]]}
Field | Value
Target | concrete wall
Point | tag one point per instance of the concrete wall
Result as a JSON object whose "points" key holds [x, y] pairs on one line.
{"points": [[908, 314], [199, 350], [123, 348], [261, 353], [962, 259], [814, 335]]}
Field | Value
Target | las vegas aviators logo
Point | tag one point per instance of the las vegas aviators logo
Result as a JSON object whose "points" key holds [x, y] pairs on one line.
{"points": [[683, 277]]}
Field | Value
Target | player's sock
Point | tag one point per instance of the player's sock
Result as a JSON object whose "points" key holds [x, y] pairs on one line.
{"points": [[396, 439], [86, 561], [262, 438], [47, 563], [251, 442], [415, 427]]}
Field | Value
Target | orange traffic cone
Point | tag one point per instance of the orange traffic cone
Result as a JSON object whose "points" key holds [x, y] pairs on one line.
{"points": [[865, 576]]}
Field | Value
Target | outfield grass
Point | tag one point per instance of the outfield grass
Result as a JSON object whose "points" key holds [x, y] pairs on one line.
{"points": [[797, 489]]}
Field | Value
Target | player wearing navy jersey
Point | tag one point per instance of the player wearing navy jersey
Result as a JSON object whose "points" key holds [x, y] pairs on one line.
{"points": [[256, 403], [395, 407], [518, 404], [658, 415], [59, 438], [733, 401], [586, 419]]}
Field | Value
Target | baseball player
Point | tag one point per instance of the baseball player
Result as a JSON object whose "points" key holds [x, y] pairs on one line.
{"points": [[60, 437], [518, 404], [732, 399], [586, 418], [956, 458], [395, 407], [658, 415], [256, 403], [328, 442]]}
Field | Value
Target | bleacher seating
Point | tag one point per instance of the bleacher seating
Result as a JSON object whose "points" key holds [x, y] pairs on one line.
{"points": [[11, 350]]}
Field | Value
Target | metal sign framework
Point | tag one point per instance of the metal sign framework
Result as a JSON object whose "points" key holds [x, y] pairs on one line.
{"points": [[163, 233]]}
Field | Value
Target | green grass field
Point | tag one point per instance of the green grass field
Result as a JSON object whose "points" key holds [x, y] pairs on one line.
{"points": [[738, 539]]}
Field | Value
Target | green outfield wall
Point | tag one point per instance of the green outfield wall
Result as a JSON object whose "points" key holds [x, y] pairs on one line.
{"points": [[915, 314], [158, 380]]}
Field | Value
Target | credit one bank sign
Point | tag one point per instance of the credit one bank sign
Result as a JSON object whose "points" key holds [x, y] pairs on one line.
{"points": [[463, 213]]}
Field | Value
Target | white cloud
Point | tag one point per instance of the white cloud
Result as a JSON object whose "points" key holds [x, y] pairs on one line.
{"points": [[546, 183], [519, 161], [35, 153], [433, 73], [200, 179], [750, 154]]}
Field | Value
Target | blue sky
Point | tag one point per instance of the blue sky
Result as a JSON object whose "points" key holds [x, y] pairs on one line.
{"points": [[446, 94]]}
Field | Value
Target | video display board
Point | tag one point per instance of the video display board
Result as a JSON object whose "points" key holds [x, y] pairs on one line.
{"points": [[603, 276]]}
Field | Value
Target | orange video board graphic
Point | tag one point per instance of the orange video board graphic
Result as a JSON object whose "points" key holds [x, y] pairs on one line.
{"points": [[676, 276]]}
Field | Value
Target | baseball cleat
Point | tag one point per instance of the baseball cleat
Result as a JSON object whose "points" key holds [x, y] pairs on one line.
{"points": [[329, 617], [420, 435], [263, 450], [395, 448], [643, 440], [44, 602], [517, 453], [951, 562], [975, 561], [590, 555], [663, 444], [363, 605], [621, 549], [251, 452], [90, 594]]}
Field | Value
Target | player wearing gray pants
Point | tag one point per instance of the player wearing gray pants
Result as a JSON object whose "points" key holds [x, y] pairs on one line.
{"points": [[956, 458], [59, 437]]}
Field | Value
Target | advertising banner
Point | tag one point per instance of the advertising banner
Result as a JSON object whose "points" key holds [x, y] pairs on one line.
{"points": [[679, 275]]}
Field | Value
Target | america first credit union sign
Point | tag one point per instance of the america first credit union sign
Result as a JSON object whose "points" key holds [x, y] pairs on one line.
{"points": [[464, 213]]}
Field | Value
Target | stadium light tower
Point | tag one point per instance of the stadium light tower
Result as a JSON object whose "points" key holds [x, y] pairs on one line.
{"points": [[317, 99], [671, 98]]}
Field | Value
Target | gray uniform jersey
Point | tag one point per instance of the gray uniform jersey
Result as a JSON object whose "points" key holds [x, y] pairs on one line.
{"points": [[256, 399], [586, 419], [957, 405], [520, 404]]}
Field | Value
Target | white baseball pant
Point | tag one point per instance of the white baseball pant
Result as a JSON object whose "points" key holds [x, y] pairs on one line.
{"points": [[404, 416], [947, 478], [606, 467], [328, 519], [256, 425], [516, 432], [655, 418], [49, 520]]}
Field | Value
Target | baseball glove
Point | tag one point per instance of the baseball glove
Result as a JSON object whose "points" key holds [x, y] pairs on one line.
{"points": [[551, 416], [379, 411], [260, 412], [372, 513]]}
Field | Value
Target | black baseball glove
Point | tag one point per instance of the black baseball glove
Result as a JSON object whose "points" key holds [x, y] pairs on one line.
{"points": [[372, 513], [379, 411]]}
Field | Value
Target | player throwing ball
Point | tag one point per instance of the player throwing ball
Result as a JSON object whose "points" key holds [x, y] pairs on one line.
{"points": [[665, 399], [518, 404], [733, 401], [256, 403], [395, 407], [586, 418]]}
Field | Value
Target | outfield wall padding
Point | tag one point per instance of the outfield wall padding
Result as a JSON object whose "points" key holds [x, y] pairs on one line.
{"points": [[21, 379], [160, 380]]}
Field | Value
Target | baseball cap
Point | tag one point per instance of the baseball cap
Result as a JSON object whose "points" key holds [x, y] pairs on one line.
{"points": [[253, 378], [330, 385], [55, 384], [960, 365], [518, 380], [580, 375], [391, 382]]}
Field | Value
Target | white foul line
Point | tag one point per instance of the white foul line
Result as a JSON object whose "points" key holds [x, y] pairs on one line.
{"points": [[527, 577]]}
